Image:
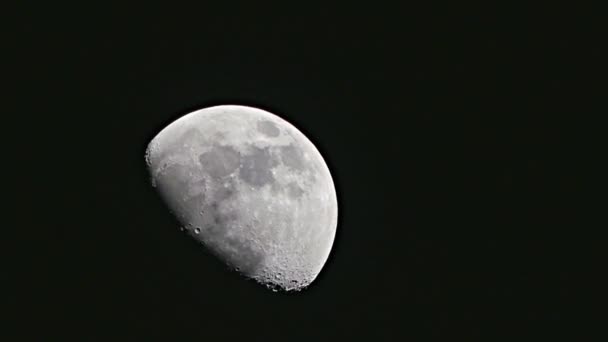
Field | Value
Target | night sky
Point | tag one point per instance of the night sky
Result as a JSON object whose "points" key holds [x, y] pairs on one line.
{"points": [[457, 137]]}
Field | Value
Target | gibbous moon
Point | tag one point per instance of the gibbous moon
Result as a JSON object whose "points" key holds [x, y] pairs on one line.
{"points": [[252, 189]]}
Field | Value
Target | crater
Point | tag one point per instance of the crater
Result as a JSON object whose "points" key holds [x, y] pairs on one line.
{"points": [[268, 128], [256, 167], [220, 161]]}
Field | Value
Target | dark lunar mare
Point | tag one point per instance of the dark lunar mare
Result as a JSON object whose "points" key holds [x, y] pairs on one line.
{"points": [[256, 167], [220, 161], [268, 128]]}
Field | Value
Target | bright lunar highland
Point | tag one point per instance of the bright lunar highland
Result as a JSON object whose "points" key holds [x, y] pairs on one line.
{"points": [[252, 189]]}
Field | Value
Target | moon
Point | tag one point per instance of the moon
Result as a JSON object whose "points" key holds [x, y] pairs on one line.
{"points": [[252, 189]]}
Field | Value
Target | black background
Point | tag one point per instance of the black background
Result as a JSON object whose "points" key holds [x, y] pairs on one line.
{"points": [[458, 138]]}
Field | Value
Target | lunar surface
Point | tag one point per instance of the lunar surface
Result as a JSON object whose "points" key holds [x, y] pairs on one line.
{"points": [[252, 189]]}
